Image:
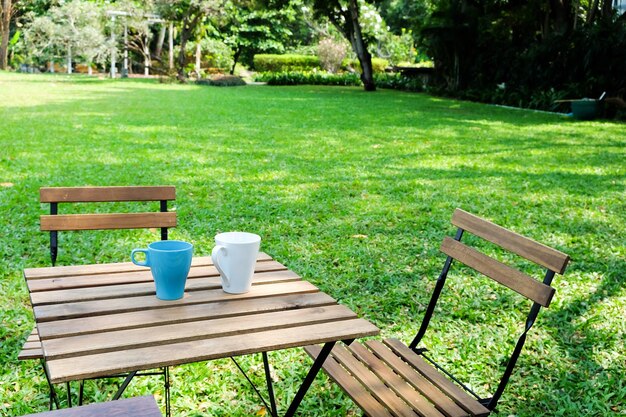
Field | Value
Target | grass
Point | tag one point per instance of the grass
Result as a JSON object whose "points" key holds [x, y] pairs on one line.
{"points": [[354, 191]]}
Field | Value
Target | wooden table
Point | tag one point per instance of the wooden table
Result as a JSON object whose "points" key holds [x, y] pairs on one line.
{"points": [[98, 320]]}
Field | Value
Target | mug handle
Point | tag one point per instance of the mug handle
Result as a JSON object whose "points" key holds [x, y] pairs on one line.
{"points": [[214, 257], [139, 263]]}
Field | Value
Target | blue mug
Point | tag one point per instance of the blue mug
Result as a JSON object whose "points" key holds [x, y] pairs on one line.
{"points": [[169, 261]]}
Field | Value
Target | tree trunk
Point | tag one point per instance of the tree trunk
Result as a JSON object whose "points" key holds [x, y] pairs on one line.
{"points": [[69, 59], [360, 48], [160, 42], [5, 23], [235, 59], [198, 58], [170, 45], [147, 62], [190, 20]]}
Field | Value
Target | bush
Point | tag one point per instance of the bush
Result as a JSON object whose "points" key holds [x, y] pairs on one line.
{"points": [[331, 54], [398, 82], [312, 78], [285, 63], [378, 65], [222, 81]]}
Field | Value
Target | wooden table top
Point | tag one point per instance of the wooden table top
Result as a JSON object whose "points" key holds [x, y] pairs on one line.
{"points": [[98, 320]]}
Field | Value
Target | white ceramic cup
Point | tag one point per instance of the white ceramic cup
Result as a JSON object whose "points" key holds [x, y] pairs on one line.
{"points": [[234, 256]]}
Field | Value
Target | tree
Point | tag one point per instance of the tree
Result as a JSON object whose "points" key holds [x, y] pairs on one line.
{"points": [[6, 14], [189, 14], [345, 17], [249, 29], [76, 28]]}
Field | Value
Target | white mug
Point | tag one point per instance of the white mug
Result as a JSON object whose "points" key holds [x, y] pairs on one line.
{"points": [[234, 256]]}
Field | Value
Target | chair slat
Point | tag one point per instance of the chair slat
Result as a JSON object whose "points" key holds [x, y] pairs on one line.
{"points": [[352, 387], [443, 403], [543, 255], [105, 194], [395, 382], [376, 387], [499, 272], [107, 221], [441, 382]]}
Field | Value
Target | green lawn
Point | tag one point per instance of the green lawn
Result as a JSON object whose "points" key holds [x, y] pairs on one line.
{"points": [[352, 190]]}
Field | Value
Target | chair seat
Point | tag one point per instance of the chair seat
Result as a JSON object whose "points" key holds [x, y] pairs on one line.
{"points": [[31, 349], [145, 406], [389, 379]]}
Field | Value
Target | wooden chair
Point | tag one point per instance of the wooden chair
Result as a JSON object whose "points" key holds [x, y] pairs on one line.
{"points": [[55, 223], [144, 406], [389, 378]]}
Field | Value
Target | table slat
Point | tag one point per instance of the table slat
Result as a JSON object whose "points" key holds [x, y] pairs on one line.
{"points": [[145, 288], [180, 314], [82, 367], [139, 274], [95, 269], [99, 307], [195, 330]]}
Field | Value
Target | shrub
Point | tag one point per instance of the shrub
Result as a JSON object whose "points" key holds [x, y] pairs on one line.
{"points": [[222, 81], [285, 63], [398, 82], [331, 54], [378, 65], [313, 78]]}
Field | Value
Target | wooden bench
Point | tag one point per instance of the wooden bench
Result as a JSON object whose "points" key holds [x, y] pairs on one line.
{"points": [[55, 222], [392, 379], [144, 406]]}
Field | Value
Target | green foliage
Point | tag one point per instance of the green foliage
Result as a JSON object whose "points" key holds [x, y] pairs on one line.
{"points": [[250, 29], [379, 65], [285, 63], [353, 192], [398, 82], [311, 77], [222, 81], [529, 51]]}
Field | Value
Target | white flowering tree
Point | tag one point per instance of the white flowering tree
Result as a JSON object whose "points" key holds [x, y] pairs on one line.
{"points": [[74, 28]]}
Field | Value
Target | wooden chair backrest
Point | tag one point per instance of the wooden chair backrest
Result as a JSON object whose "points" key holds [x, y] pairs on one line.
{"points": [[540, 292], [55, 222], [527, 248]]}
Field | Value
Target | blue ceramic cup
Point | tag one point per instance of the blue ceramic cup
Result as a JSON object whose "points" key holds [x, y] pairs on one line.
{"points": [[169, 261]]}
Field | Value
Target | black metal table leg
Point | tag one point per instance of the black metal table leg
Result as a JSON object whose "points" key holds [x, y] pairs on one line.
{"points": [[270, 388], [54, 399], [69, 394], [317, 365], [166, 376], [120, 391]]}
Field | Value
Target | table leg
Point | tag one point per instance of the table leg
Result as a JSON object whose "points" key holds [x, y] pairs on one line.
{"points": [[54, 399], [270, 388], [317, 365], [120, 391]]}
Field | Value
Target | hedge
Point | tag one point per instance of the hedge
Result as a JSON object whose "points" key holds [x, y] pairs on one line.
{"points": [[305, 63], [285, 63]]}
